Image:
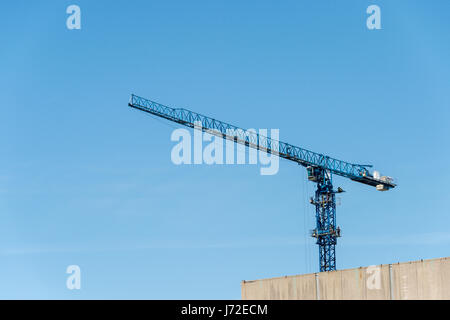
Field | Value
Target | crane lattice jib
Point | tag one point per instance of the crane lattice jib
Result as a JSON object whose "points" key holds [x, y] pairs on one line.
{"points": [[356, 172]]}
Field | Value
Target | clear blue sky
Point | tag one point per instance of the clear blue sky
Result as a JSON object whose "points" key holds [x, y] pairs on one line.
{"points": [[86, 180]]}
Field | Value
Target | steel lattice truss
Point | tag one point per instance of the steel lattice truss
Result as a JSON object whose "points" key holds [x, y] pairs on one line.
{"points": [[326, 232]]}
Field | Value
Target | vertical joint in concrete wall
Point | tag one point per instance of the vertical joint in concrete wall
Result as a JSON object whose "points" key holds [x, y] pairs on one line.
{"points": [[317, 286], [391, 283]]}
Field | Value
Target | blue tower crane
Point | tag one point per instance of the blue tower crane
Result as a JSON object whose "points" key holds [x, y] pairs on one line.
{"points": [[320, 168]]}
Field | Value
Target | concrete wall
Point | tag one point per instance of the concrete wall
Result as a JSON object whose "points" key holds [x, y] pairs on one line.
{"points": [[425, 279]]}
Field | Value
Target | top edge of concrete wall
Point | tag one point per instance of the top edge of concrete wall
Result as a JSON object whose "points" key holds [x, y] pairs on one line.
{"points": [[349, 269], [420, 279]]}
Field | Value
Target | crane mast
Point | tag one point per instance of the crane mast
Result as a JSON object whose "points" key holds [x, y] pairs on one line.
{"points": [[320, 168]]}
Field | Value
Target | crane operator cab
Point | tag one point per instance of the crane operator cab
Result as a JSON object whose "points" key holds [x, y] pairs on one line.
{"points": [[314, 173]]}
